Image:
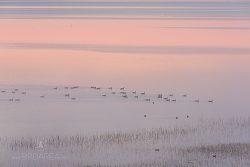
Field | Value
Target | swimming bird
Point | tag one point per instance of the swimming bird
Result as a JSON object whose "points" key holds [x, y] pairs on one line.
{"points": [[23, 93], [136, 97], [110, 88], [167, 99], [157, 149], [123, 92], [171, 95], [145, 115], [176, 117], [42, 96], [210, 101], [67, 95], [184, 95], [104, 95], [113, 93], [143, 93], [134, 92], [187, 116], [74, 87], [147, 99], [73, 98], [159, 96], [55, 88], [125, 96], [123, 88], [197, 101], [173, 100]]}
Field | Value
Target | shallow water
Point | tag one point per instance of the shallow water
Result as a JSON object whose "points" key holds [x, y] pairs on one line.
{"points": [[201, 49], [91, 113]]}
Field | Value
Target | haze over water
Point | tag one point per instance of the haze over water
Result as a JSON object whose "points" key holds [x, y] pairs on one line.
{"points": [[197, 48]]}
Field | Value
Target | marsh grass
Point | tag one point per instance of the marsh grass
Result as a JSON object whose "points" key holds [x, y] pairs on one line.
{"points": [[183, 146], [142, 135], [230, 149]]}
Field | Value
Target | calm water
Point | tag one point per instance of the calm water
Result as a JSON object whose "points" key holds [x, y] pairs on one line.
{"points": [[228, 84], [158, 47]]}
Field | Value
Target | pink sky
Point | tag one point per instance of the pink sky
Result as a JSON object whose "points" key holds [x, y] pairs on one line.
{"points": [[36, 66], [123, 32]]}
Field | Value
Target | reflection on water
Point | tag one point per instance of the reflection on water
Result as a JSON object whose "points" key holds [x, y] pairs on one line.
{"points": [[124, 83], [222, 78], [204, 54]]}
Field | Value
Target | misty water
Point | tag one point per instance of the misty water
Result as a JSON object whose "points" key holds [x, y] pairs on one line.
{"points": [[124, 83], [91, 113]]}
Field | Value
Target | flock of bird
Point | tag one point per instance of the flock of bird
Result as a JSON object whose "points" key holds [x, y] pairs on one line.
{"points": [[110, 91], [122, 92]]}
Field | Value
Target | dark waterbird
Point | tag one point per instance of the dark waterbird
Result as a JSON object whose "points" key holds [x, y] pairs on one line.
{"points": [[167, 99], [74, 87], [159, 96], [125, 96]]}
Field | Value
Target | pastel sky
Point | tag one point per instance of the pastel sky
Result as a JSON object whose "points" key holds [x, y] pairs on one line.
{"points": [[184, 44]]}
